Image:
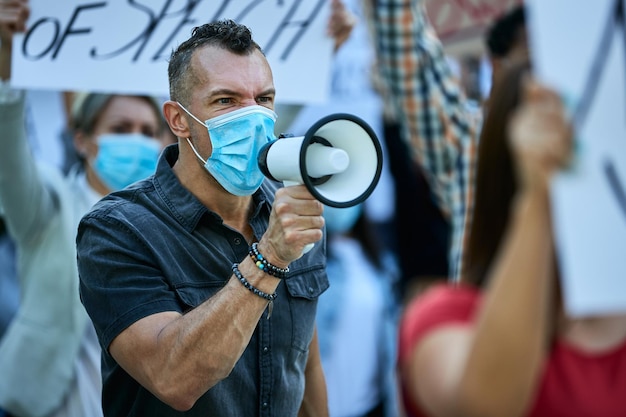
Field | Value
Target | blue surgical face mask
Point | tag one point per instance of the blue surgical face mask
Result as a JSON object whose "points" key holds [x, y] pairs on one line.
{"points": [[125, 158], [341, 220], [236, 138]]}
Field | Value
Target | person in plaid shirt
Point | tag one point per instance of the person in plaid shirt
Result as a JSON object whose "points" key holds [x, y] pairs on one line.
{"points": [[436, 118]]}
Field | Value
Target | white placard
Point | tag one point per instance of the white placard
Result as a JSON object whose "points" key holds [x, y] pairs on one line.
{"points": [[123, 45], [579, 48]]}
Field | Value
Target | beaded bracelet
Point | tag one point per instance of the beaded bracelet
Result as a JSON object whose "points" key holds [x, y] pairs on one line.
{"points": [[264, 265], [255, 290]]}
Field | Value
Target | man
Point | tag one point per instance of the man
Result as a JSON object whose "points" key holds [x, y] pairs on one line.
{"points": [[434, 115], [189, 323]]}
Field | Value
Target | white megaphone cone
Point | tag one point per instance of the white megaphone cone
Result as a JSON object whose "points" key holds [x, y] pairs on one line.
{"points": [[339, 160]]}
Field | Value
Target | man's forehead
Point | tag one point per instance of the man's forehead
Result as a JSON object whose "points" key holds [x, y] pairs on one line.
{"points": [[217, 53], [221, 69]]}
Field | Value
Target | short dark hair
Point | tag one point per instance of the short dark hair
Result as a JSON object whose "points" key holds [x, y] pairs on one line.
{"points": [[496, 182], [226, 34], [506, 31]]}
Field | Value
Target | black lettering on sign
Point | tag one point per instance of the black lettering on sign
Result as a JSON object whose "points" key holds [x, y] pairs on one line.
{"points": [[289, 20], [154, 19], [57, 41], [619, 191], [616, 21], [291, 23]]}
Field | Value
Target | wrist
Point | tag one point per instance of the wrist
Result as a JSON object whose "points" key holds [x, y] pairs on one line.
{"points": [[268, 252], [265, 265], [5, 59], [535, 188], [268, 296], [532, 201], [258, 278]]}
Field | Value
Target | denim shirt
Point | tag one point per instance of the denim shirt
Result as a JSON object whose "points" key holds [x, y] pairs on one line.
{"points": [[154, 247]]}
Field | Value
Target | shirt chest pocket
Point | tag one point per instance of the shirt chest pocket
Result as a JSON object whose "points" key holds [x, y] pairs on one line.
{"points": [[304, 287]]}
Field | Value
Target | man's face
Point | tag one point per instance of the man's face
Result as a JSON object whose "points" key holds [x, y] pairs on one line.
{"points": [[227, 82]]}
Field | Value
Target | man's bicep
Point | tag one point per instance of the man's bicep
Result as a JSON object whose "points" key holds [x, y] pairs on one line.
{"points": [[120, 282], [137, 348]]}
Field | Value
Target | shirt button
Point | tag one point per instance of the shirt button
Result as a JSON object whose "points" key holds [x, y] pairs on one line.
{"points": [[311, 290], [265, 349], [264, 405], [237, 241]]}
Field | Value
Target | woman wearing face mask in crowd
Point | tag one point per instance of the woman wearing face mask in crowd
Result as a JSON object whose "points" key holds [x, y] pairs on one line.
{"points": [[51, 341], [49, 355]]}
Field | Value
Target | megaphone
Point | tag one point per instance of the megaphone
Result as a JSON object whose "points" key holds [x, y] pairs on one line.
{"points": [[339, 160]]}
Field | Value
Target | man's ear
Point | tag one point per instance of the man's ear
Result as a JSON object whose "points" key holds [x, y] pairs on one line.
{"points": [[176, 119]]}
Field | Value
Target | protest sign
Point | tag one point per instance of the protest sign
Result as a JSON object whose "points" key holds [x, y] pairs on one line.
{"points": [[579, 49], [123, 45]]}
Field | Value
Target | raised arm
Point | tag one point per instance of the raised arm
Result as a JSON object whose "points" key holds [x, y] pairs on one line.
{"points": [[430, 105], [13, 16], [28, 203], [492, 367]]}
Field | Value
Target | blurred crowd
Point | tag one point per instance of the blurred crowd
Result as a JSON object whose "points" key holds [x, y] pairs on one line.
{"points": [[444, 296]]}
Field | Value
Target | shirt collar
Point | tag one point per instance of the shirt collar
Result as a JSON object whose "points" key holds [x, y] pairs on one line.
{"points": [[184, 206]]}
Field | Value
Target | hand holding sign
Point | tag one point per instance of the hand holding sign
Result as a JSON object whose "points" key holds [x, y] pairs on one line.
{"points": [[583, 56], [13, 16], [540, 136]]}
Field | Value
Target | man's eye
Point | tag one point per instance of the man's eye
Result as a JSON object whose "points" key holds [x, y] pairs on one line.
{"points": [[224, 100], [264, 99]]}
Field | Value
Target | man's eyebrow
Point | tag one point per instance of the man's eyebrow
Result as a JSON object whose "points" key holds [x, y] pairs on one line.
{"points": [[233, 93], [223, 92], [268, 92]]}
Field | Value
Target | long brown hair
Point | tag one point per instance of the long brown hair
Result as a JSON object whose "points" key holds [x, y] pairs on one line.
{"points": [[495, 177]]}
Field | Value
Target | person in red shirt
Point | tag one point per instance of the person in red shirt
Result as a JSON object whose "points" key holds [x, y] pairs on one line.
{"points": [[499, 343]]}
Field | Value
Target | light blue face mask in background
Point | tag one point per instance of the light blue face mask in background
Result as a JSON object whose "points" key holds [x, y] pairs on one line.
{"points": [[236, 138], [341, 220], [124, 158]]}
